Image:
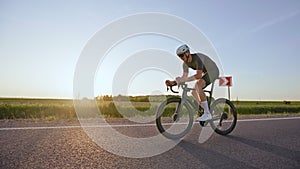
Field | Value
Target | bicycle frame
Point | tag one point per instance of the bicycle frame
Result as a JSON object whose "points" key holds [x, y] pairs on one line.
{"points": [[184, 96]]}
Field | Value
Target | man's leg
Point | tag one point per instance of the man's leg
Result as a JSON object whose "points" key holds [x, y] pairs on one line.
{"points": [[195, 94], [201, 98], [198, 93]]}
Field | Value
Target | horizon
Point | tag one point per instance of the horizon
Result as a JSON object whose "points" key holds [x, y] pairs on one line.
{"points": [[95, 98]]}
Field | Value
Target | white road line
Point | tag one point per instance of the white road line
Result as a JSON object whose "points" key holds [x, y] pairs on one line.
{"points": [[39, 128], [127, 125], [269, 119]]}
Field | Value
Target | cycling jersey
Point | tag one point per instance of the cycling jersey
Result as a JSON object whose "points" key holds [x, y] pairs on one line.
{"points": [[204, 63]]}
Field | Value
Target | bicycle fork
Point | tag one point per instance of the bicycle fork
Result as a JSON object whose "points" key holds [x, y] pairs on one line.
{"points": [[178, 112]]}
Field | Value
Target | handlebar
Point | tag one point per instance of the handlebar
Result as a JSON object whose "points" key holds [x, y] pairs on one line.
{"points": [[183, 85], [171, 88]]}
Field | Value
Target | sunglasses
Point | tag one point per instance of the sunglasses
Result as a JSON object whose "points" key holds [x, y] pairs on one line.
{"points": [[181, 55]]}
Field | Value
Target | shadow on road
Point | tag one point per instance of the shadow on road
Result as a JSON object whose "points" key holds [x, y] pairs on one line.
{"points": [[277, 150], [211, 158]]}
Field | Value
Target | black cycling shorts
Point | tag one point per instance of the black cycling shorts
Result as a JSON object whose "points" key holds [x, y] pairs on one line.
{"points": [[206, 79], [210, 79]]}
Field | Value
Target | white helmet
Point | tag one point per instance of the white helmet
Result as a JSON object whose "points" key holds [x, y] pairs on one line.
{"points": [[182, 49]]}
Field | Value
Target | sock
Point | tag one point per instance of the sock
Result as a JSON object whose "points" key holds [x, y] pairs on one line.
{"points": [[204, 105]]}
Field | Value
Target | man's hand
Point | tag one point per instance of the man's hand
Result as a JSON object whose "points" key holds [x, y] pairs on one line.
{"points": [[179, 80]]}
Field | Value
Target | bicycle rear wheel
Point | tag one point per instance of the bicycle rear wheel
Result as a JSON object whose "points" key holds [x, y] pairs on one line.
{"points": [[224, 116], [171, 124]]}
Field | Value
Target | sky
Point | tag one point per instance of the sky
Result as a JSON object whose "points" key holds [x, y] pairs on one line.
{"points": [[257, 43]]}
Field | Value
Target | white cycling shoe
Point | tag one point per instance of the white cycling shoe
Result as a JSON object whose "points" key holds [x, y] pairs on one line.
{"points": [[204, 117]]}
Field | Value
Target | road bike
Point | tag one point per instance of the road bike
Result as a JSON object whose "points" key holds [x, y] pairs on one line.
{"points": [[175, 115]]}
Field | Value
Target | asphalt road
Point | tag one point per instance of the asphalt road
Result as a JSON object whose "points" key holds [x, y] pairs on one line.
{"points": [[253, 144]]}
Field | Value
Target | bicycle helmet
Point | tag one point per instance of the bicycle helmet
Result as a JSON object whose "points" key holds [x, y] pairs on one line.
{"points": [[182, 49]]}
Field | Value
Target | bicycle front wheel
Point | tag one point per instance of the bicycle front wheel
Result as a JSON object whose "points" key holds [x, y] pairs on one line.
{"points": [[224, 116], [173, 120]]}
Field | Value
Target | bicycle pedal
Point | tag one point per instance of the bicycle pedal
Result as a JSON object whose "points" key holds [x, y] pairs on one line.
{"points": [[203, 123]]}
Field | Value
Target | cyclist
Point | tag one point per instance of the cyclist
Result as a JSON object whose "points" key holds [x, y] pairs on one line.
{"points": [[206, 73]]}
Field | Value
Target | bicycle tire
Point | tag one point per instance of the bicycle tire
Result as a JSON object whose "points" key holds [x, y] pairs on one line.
{"points": [[162, 114], [224, 113]]}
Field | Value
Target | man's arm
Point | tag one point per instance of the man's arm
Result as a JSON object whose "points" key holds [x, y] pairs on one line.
{"points": [[198, 75], [185, 78]]}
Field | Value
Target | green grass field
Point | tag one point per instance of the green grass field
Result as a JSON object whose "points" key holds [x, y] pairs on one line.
{"points": [[36, 109], [267, 107], [52, 109]]}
